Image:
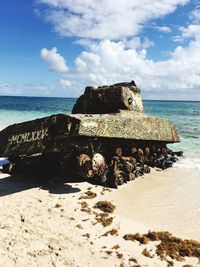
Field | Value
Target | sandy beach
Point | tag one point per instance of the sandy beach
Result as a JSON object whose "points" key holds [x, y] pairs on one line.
{"points": [[167, 201], [108, 94], [43, 223]]}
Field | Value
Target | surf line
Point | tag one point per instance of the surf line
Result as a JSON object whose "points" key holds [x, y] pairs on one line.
{"points": [[28, 137]]}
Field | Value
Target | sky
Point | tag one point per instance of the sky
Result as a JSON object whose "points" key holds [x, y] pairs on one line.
{"points": [[57, 47]]}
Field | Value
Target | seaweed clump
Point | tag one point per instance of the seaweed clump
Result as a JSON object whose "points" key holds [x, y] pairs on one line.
{"points": [[137, 237], [111, 232], [117, 246], [85, 207], [174, 247], [119, 255], [104, 219], [58, 206], [104, 190], [146, 253], [88, 195], [105, 206]]}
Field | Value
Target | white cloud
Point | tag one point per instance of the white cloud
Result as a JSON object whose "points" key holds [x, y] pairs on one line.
{"points": [[65, 83], [175, 78], [108, 60], [195, 15], [192, 31], [13, 89], [101, 19], [55, 61], [136, 43], [58, 88], [9, 89], [163, 29]]}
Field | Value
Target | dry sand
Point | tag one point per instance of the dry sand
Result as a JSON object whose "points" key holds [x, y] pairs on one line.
{"points": [[41, 222]]}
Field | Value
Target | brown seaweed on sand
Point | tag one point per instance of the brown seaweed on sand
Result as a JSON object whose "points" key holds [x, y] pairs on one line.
{"points": [[58, 205], [119, 255], [111, 232], [174, 247], [117, 246], [85, 207], [88, 195], [104, 219], [146, 253], [109, 252], [105, 206], [137, 237]]}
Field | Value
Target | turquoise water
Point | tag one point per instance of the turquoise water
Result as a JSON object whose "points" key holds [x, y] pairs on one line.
{"points": [[185, 116]]}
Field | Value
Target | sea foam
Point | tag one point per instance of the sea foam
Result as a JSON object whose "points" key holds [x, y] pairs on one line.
{"points": [[188, 163]]}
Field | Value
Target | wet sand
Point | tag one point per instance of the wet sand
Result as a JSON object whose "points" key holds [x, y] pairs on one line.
{"points": [[41, 222], [167, 200]]}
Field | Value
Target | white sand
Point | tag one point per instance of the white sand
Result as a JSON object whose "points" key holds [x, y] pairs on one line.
{"points": [[34, 231]]}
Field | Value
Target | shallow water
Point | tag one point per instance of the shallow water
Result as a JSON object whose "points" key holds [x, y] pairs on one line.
{"points": [[186, 118]]}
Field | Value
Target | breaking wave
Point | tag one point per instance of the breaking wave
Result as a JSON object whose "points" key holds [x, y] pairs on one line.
{"points": [[188, 163]]}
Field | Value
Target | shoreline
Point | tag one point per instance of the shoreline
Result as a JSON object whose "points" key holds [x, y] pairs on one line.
{"points": [[44, 224], [163, 200]]}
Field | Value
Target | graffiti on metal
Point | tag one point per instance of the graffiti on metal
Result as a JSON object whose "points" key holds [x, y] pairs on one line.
{"points": [[28, 136]]}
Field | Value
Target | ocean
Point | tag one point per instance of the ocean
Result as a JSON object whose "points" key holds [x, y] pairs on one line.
{"points": [[184, 114]]}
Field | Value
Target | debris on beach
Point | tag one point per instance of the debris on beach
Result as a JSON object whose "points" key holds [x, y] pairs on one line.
{"points": [[169, 246], [104, 190], [22, 218], [109, 252], [113, 232], [147, 253], [85, 207], [137, 237], [104, 219], [105, 206], [119, 255], [88, 195], [116, 246], [58, 206], [79, 226]]}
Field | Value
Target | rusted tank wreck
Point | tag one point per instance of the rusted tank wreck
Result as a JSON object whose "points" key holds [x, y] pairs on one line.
{"points": [[107, 137]]}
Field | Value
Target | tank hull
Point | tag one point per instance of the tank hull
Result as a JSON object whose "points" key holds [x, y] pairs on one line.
{"points": [[54, 133]]}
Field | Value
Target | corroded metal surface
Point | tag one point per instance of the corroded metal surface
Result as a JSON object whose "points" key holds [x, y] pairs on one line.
{"points": [[138, 127], [39, 136], [35, 136], [109, 99]]}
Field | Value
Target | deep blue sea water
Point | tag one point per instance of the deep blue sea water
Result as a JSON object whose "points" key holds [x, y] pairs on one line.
{"points": [[185, 116]]}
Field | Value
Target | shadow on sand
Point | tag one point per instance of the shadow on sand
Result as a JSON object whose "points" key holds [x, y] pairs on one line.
{"points": [[58, 185]]}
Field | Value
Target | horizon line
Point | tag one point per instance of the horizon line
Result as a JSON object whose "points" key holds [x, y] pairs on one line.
{"points": [[66, 97]]}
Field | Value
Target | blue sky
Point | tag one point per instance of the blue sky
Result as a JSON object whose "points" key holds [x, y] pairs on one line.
{"points": [[57, 47]]}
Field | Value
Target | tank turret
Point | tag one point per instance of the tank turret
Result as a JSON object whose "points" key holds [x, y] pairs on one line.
{"points": [[109, 99]]}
